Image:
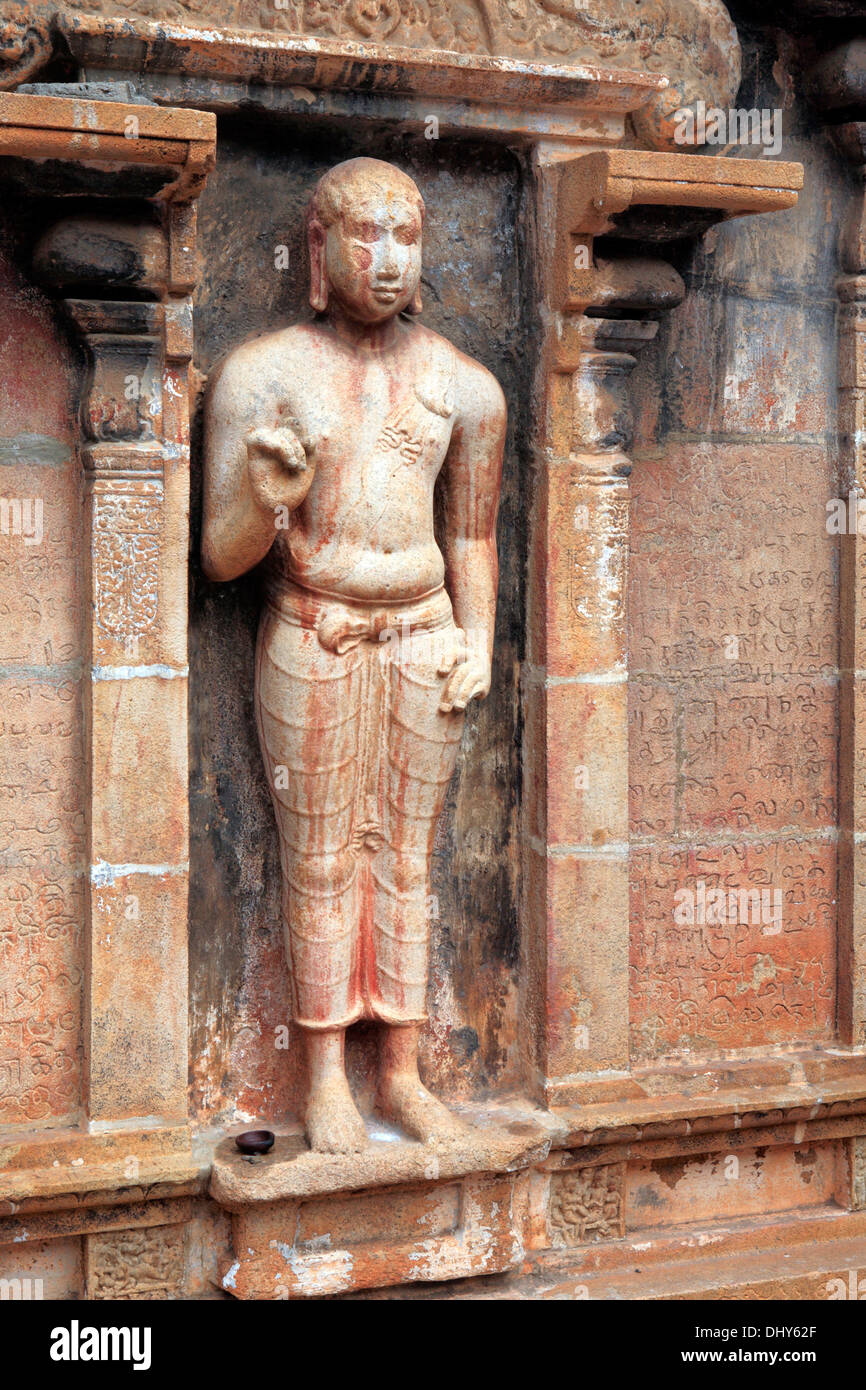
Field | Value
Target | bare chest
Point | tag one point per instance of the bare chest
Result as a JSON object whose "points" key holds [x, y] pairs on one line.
{"points": [[380, 424]]}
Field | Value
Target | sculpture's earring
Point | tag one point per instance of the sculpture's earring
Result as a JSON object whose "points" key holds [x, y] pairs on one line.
{"points": [[318, 276]]}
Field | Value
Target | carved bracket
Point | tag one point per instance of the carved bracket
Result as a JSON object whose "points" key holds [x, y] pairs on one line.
{"points": [[144, 150], [593, 189]]}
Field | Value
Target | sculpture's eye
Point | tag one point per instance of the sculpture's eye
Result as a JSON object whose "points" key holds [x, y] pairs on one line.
{"points": [[407, 233], [366, 231]]}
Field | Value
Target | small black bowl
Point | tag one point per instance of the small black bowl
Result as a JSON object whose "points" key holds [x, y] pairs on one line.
{"points": [[255, 1141]]}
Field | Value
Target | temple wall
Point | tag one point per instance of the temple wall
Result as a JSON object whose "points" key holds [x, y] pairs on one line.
{"points": [[43, 792], [734, 636], [654, 1104]]}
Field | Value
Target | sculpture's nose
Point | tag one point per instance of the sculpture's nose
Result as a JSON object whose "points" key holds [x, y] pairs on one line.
{"points": [[389, 266]]}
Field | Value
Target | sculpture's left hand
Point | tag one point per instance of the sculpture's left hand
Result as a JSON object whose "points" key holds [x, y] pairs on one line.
{"points": [[469, 679]]}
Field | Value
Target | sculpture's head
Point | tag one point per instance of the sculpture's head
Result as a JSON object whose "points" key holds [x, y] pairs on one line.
{"points": [[364, 228]]}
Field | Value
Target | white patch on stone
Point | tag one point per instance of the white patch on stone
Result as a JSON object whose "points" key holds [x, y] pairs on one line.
{"points": [[319, 1272], [131, 673], [384, 1134], [103, 875]]}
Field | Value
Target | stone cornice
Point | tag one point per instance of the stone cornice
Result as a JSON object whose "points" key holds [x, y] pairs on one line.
{"points": [[691, 42], [344, 65]]}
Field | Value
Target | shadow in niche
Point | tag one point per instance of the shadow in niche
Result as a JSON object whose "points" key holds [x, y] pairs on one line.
{"points": [[254, 204]]}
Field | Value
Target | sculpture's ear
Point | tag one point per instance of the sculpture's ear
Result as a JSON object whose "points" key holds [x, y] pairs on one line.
{"points": [[318, 274], [415, 306]]}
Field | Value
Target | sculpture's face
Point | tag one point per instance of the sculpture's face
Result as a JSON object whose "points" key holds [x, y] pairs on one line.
{"points": [[373, 253]]}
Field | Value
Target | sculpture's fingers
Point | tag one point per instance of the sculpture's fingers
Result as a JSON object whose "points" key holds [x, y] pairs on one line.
{"points": [[448, 662], [471, 685], [292, 425], [450, 690], [281, 444], [458, 690], [455, 654], [293, 453]]}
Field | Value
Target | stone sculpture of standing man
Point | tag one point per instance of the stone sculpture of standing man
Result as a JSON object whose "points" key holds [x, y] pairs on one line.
{"points": [[323, 445]]}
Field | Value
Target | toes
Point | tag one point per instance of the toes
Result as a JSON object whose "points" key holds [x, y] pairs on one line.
{"points": [[327, 1142], [419, 1113], [335, 1127]]}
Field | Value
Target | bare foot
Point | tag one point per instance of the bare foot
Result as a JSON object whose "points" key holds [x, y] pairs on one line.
{"points": [[405, 1101], [332, 1122]]}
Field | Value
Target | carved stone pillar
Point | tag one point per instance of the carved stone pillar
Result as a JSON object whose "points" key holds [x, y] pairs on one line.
{"points": [[135, 451], [135, 420], [576, 858], [576, 711]]}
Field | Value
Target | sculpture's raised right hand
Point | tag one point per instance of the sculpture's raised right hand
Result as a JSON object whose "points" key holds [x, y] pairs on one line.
{"points": [[279, 472]]}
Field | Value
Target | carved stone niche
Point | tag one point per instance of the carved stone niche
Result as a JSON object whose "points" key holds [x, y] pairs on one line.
{"points": [[124, 279]]}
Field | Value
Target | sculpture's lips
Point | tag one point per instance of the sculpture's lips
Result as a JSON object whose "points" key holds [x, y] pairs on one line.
{"points": [[386, 293]]}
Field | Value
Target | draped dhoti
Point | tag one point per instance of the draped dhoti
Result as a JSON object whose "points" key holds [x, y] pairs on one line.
{"points": [[358, 758]]}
